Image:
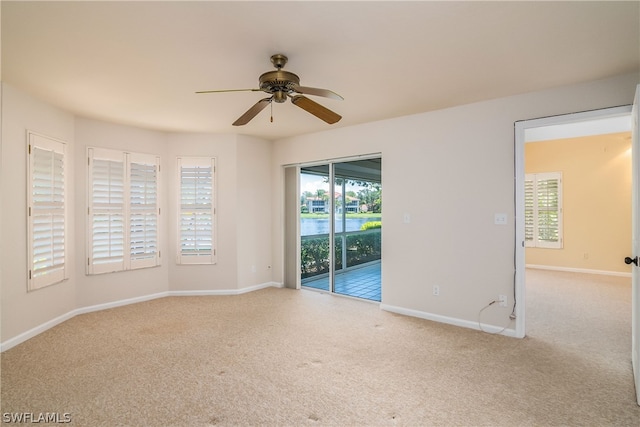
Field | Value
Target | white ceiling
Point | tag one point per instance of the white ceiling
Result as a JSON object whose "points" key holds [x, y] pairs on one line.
{"points": [[139, 63]]}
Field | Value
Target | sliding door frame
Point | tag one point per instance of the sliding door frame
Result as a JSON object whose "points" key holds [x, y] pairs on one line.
{"points": [[291, 227], [292, 215]]}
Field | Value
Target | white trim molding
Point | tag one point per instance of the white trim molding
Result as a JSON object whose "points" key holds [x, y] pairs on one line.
{"points": [[578, 270], [449, 320], [221, 292], [119, 303], [19, 339]]}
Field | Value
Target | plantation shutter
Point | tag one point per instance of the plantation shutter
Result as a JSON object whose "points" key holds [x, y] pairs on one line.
{"points": [[197, 211], [529, 202], [46, 209], [543, 210], [106, 211], [144, 210], [548, 210], [124, 211]]}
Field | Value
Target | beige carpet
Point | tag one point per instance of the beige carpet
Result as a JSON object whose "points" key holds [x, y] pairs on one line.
{"points": [[280, 357]]}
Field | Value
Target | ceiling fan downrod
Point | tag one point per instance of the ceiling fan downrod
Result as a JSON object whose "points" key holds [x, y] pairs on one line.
{"points": [[279, 60]]}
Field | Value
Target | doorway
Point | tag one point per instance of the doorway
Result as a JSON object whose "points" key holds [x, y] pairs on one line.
{"points": [[340, 227], [577, 125]]}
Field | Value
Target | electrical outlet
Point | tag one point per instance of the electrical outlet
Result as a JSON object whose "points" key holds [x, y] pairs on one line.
{"points": [[436, 290], [503, 300]]}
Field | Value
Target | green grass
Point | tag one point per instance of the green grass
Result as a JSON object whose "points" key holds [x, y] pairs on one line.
{"points": [[349, 215]]}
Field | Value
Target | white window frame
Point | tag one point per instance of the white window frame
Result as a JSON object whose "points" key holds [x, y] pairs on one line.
{"points": [[210, 209], [57, 271], [532, 215], [147, 252]]}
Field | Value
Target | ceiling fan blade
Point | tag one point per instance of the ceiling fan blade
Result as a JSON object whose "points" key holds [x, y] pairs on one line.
{"points": [[228, 90], [318, 92], [316, 109], [252, 112]]}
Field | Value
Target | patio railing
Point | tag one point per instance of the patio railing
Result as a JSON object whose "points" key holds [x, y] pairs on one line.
{"points": [[361, 247]]}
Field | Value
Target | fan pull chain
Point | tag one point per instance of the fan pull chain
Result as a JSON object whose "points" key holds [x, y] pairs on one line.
{"points": [[271, 111]]}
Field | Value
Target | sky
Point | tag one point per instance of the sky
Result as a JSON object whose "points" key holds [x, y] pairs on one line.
{"points": [[311, 183]]}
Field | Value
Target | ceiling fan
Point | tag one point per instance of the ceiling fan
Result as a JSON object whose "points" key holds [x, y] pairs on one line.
{"points": [[282, 85]]}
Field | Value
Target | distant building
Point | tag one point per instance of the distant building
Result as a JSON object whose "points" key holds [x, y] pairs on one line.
{"points": [[352, 205], [317, 205]]}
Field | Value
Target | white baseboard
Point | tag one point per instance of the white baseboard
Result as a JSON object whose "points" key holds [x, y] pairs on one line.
{"points": [[449, 320], [220, 292], [578, 270], [119, 303], [12, 342]]}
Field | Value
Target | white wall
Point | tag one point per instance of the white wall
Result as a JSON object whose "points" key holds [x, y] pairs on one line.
{"points": [[22, 311], [253, 212], [451, 170]]}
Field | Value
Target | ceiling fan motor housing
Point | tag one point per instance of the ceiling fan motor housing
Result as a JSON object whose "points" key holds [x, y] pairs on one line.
{"points": [[279, 83]]}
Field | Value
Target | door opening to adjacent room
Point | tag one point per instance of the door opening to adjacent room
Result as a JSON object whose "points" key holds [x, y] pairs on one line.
{"points": [[564, 224], [594, 226]]}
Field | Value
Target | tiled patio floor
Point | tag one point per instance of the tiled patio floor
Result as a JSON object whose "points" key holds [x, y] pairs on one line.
{"points": [[363, 282]]}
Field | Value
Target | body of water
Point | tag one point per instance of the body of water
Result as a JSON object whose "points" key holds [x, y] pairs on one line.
{"points": [[312, 226]]}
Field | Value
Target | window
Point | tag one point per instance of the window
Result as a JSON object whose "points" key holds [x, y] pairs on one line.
{"points": [[543, 210], [123, 211], [46, 201], [144, 210], [197, 211]]}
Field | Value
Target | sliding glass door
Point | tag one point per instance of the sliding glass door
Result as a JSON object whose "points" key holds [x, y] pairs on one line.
{"points": [[340, 227], [315, 227]]}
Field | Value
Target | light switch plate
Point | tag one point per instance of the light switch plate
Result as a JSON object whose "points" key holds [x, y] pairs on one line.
{"points": [[500, 219]]}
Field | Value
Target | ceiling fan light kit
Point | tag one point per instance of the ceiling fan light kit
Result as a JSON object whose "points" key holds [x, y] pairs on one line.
{"points": [[282, 85]]}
